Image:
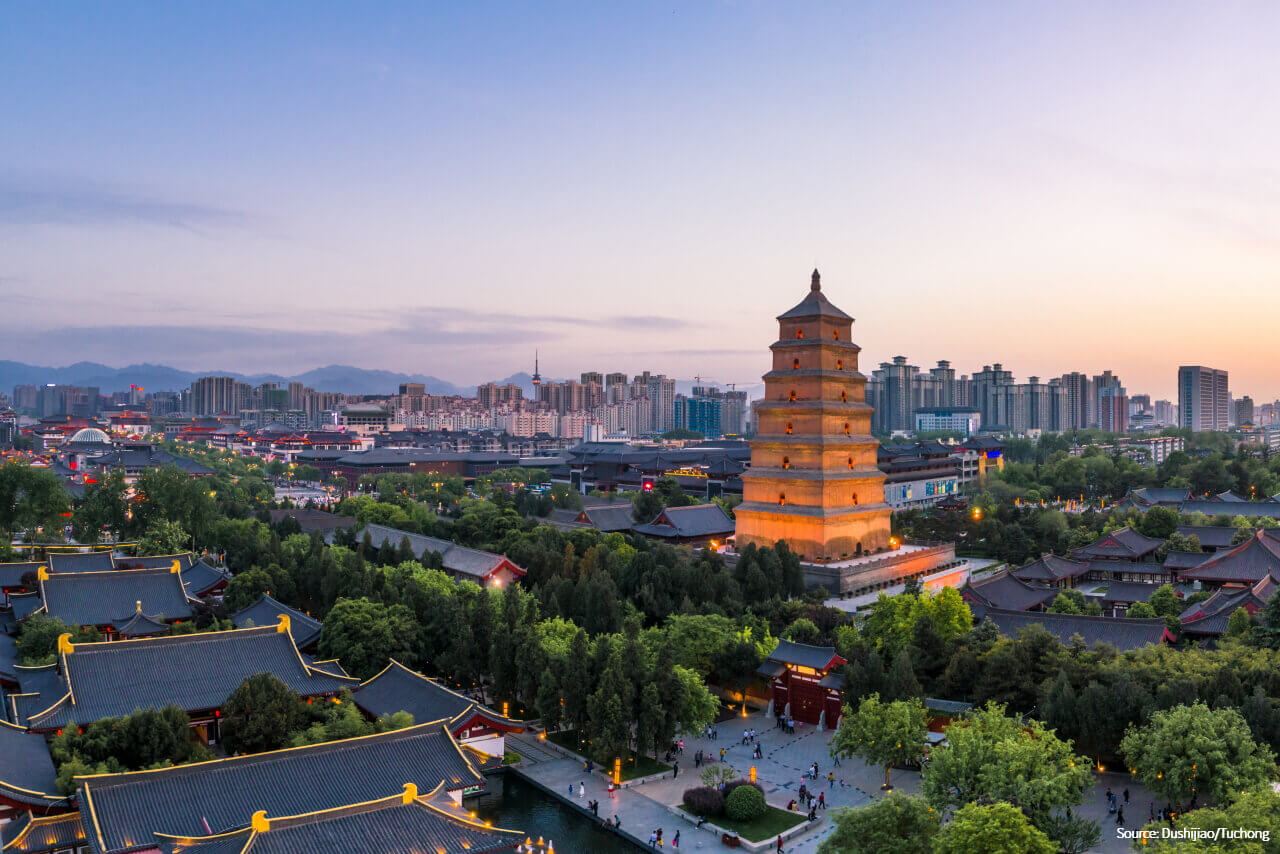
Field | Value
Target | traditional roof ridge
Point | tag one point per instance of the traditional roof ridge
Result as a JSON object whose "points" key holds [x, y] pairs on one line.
{"points": [[226, 760], [472, 708], [35, 822]]}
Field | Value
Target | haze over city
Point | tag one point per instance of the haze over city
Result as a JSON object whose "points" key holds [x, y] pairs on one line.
{"points": [[444, 189]]}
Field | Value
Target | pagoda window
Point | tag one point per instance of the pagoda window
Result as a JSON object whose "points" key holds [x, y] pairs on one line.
{"points": [[839, 364], [792, 395], [782, 499], [844, 398], [786, 462], [846, 428], [795, 364], [799, 333], [835, 333], [851, 463], [788, 428], [855, 498]]}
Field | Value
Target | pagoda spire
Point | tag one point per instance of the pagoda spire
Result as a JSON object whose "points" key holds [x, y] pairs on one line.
{"points": [[815, 283]]}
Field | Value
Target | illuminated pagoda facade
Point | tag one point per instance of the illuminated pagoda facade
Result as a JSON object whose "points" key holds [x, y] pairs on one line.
{"points": [[813, 480]]}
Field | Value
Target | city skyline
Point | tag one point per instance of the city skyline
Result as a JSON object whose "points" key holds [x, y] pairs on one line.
{"points": [[444, 190]]}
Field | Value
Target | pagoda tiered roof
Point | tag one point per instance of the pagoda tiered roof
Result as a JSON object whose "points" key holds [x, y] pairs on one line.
{"points": [[128, 812]]}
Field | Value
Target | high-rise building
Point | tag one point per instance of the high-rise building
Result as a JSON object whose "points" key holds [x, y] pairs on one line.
{"points": [[1078, 392], [1166, 413], [491, 395], [1244, 411], [592, 377], [813, 479], [988, 397], [215, 395], [1113, 408], [896, 379], [1202, 398], [662, 395]]}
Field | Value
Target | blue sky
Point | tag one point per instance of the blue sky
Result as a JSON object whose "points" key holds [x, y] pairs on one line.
{"points": [[444, 187]]}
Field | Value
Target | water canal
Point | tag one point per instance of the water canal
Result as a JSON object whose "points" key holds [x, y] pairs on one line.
{"points": [[515, 804]]}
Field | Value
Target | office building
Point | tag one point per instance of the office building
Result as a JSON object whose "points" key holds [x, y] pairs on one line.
{"points": [[1202, 398]]}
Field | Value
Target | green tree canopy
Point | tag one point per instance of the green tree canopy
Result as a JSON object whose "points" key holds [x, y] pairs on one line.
{"points": [[364, 635], [1195, 750], [997, 828], [895, 823], [261, 714], [882, 733]]}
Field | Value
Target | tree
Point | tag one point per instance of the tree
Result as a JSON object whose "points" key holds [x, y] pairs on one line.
{"points": [[647, 506], [245, 588], [745, 803], [164, 537], [1159, 522], [1067, 602], [1192, 750], [549, 703], [364, 635], [29, 497], [1259, 811], [901, 682], [1140, 611], [1074, 834], [1178, 543], [38, 643], [885, 734], [989, 755], [897, 822], [1165, 602], [997, 828], [1240, 623], [260, 714]]}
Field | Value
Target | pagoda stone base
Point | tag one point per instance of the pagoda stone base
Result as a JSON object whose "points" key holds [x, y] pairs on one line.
{"points": [[865, 574]]}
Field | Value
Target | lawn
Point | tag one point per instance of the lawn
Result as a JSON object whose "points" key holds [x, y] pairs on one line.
{"points": [[632, 767], [768, 826]]}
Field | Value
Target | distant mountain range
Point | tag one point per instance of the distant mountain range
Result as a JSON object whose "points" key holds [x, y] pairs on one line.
{"points": [[340, 378]]}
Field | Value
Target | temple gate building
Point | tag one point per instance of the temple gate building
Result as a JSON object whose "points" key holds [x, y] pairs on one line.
{"points": [[813, 479]]}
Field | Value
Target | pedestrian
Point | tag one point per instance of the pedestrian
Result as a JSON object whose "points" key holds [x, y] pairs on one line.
{"points": [[722, 754], [582, 790], [571, 790], [1126, 797], [675, 840], [831, 779], [822, 800], [653, 839], [659, 837], [1120, 817], [836, 760], [779, 843], [1151, 810], [676, 769], [617, 822]]}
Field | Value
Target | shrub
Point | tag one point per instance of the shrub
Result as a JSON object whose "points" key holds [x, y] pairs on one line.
{"points": [[704, 801], [745, 804], [730, 786]]}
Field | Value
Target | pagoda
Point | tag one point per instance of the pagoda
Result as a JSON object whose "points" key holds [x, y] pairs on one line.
{"points": [[813, 480]]}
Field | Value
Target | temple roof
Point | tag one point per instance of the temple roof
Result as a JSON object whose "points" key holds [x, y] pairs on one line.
{"points": [[457, 559], [815, 304], [310, 520], [1183, 560], [1249, 562], [1003, 590], [607, 518], [80, 561], [1124, 633], [27, 774], [11, 573], [1150, 496], [194, 672], [1210, 536], [696, 520], [185, 560], [139, 625], [1129, 591], [131, 809], [203, 577], [103, 598], [1122, 543], [28, 834], [1050, 567], [266, 612], [399, 824], [804, 655], [398, 689]]}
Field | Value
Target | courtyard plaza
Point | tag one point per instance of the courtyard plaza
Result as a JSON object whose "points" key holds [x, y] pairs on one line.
{"points": [[646, 806]]}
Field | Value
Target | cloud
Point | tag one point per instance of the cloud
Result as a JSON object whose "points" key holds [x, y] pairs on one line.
{"points": [[66, 202]]}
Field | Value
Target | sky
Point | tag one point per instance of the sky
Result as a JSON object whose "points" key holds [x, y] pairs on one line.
{"points": [[444, 188]]}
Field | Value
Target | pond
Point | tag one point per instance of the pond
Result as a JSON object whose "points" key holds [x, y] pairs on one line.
{"points": [[514, 804]]}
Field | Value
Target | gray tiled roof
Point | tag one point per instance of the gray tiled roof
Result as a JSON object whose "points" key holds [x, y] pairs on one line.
{"points": [[1005, 591], [458, 559], [1124, 543], [609, 518], [398, 689], [697, 520], [80, 561], [1152, 495], [1183, 560], [27, 774], [194, 672], [1121, 632], [132, 808], [141, 625], [28, 834], [1050, 567], [313, 520], [148, 458], [8, 658], [11, 573], [802, 654], [266, 612], [102, 598], [1249, 562], [1210, 536], [1231, 508], [154, 561], [203, 577], [390, 826], [815, 304], [1129, 591]]}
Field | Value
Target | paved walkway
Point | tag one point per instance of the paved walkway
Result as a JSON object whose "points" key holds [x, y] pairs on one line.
{"points": [[780, 772]]}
